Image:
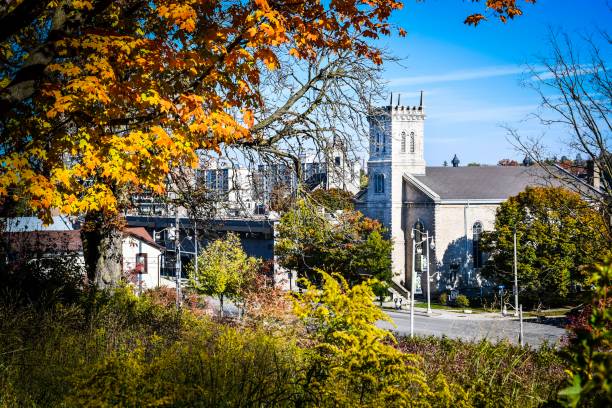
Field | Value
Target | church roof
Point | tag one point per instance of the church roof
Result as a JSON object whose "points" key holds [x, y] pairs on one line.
{"points": [[482, 182]]}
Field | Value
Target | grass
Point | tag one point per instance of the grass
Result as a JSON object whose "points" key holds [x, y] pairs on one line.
{"points": [[548, 312], [438, 306], [494, 375]]}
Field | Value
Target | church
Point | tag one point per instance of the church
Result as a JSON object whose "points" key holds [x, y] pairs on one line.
{"points": [[445, 209]]}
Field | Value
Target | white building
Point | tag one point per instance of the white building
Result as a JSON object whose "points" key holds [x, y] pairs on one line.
{"points": [[141, 258], [243, 192], [453, 204], [28, 239]]}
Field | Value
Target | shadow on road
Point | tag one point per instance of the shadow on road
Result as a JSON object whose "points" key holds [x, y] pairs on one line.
{"points": [[560, 322]]}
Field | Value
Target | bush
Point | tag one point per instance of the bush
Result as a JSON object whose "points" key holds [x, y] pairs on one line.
{"points": [[590, 344], [43, 281], [135, 352], [443, 298], [116, 349], [462, 301], [492, 375]]}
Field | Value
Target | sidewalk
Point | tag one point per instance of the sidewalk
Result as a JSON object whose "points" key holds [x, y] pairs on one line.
{"points": [[389, 306]]}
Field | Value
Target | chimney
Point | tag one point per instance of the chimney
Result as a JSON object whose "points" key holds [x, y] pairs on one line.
{"points": [[593, 174]]}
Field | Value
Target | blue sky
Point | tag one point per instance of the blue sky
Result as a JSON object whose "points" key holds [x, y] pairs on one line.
{"points": [[471, 76]]}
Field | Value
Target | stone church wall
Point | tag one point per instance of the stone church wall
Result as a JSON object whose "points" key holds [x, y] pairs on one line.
{"points": [[454, 242]]}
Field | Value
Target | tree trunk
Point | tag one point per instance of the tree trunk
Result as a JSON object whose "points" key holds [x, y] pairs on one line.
{"points": [[102, 249], [221, 306]]}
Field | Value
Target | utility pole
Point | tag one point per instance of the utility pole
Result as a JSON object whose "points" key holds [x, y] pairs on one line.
{"points": [[177, 265], [516, 305], [195, 245], [412, 287]]}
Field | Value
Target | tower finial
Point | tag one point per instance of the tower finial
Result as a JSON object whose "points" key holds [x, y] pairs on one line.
{"points": [[455, 161], [391, 100], [421, 102], [398, 99]]}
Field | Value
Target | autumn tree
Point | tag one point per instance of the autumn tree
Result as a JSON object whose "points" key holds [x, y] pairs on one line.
{"points": [[223, 270], [558, 236], [507, 162], [311, 238], [100, 99], [333, 199]]}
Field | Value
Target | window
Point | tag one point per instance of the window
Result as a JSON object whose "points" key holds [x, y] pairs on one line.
{"points": [[337, 160], [217, 180], [411, 142], [379, 183], [384, 143], [403, 145], [476, 252], [141, 263], [377, 145]]}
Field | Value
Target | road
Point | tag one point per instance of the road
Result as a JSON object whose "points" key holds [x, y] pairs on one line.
{"points": [[474, 327], [464, 326]]}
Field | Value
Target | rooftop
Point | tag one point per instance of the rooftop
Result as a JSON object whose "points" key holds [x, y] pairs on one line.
{"points": [[482, 182]]}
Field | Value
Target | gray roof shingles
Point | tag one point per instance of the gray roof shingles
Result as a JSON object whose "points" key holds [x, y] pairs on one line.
{"points": [[485, 182]]}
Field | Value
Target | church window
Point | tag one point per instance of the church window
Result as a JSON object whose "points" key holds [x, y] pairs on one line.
{"points": [[476, 251], [403, 145], [379, 183], [384, 142], [377, 145], [411, 142]]}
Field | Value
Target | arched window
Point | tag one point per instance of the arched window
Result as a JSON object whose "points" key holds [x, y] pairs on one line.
{"points": [[403, 144], [411, 142], [377, 145], [384, 142], [476, 252], [379, 183], [419, 234]]}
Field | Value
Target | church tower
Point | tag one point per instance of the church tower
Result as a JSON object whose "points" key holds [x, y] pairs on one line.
{"points": [[396, 148]]}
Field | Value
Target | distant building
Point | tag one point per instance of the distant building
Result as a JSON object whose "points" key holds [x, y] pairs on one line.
{"points": [[245, 192], [26, 239], [453, 204]]}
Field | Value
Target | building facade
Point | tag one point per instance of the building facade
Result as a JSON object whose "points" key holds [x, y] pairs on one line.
{"points": [[451, 205]]}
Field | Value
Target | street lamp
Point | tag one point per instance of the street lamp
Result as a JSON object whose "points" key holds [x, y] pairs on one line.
{"points": [[431, 245], [419, 250]]}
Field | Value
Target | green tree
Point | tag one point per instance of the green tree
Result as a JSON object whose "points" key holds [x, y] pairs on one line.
{"points": [[558, 234], [375, 259], [333, 199], [311, 238], [223, 269], [363, 179], [591, 346]]}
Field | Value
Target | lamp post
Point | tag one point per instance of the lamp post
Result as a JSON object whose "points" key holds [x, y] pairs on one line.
{"points": [[177, 265], [413, 275], [412, 285], [431, 245], [195, 245]]}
